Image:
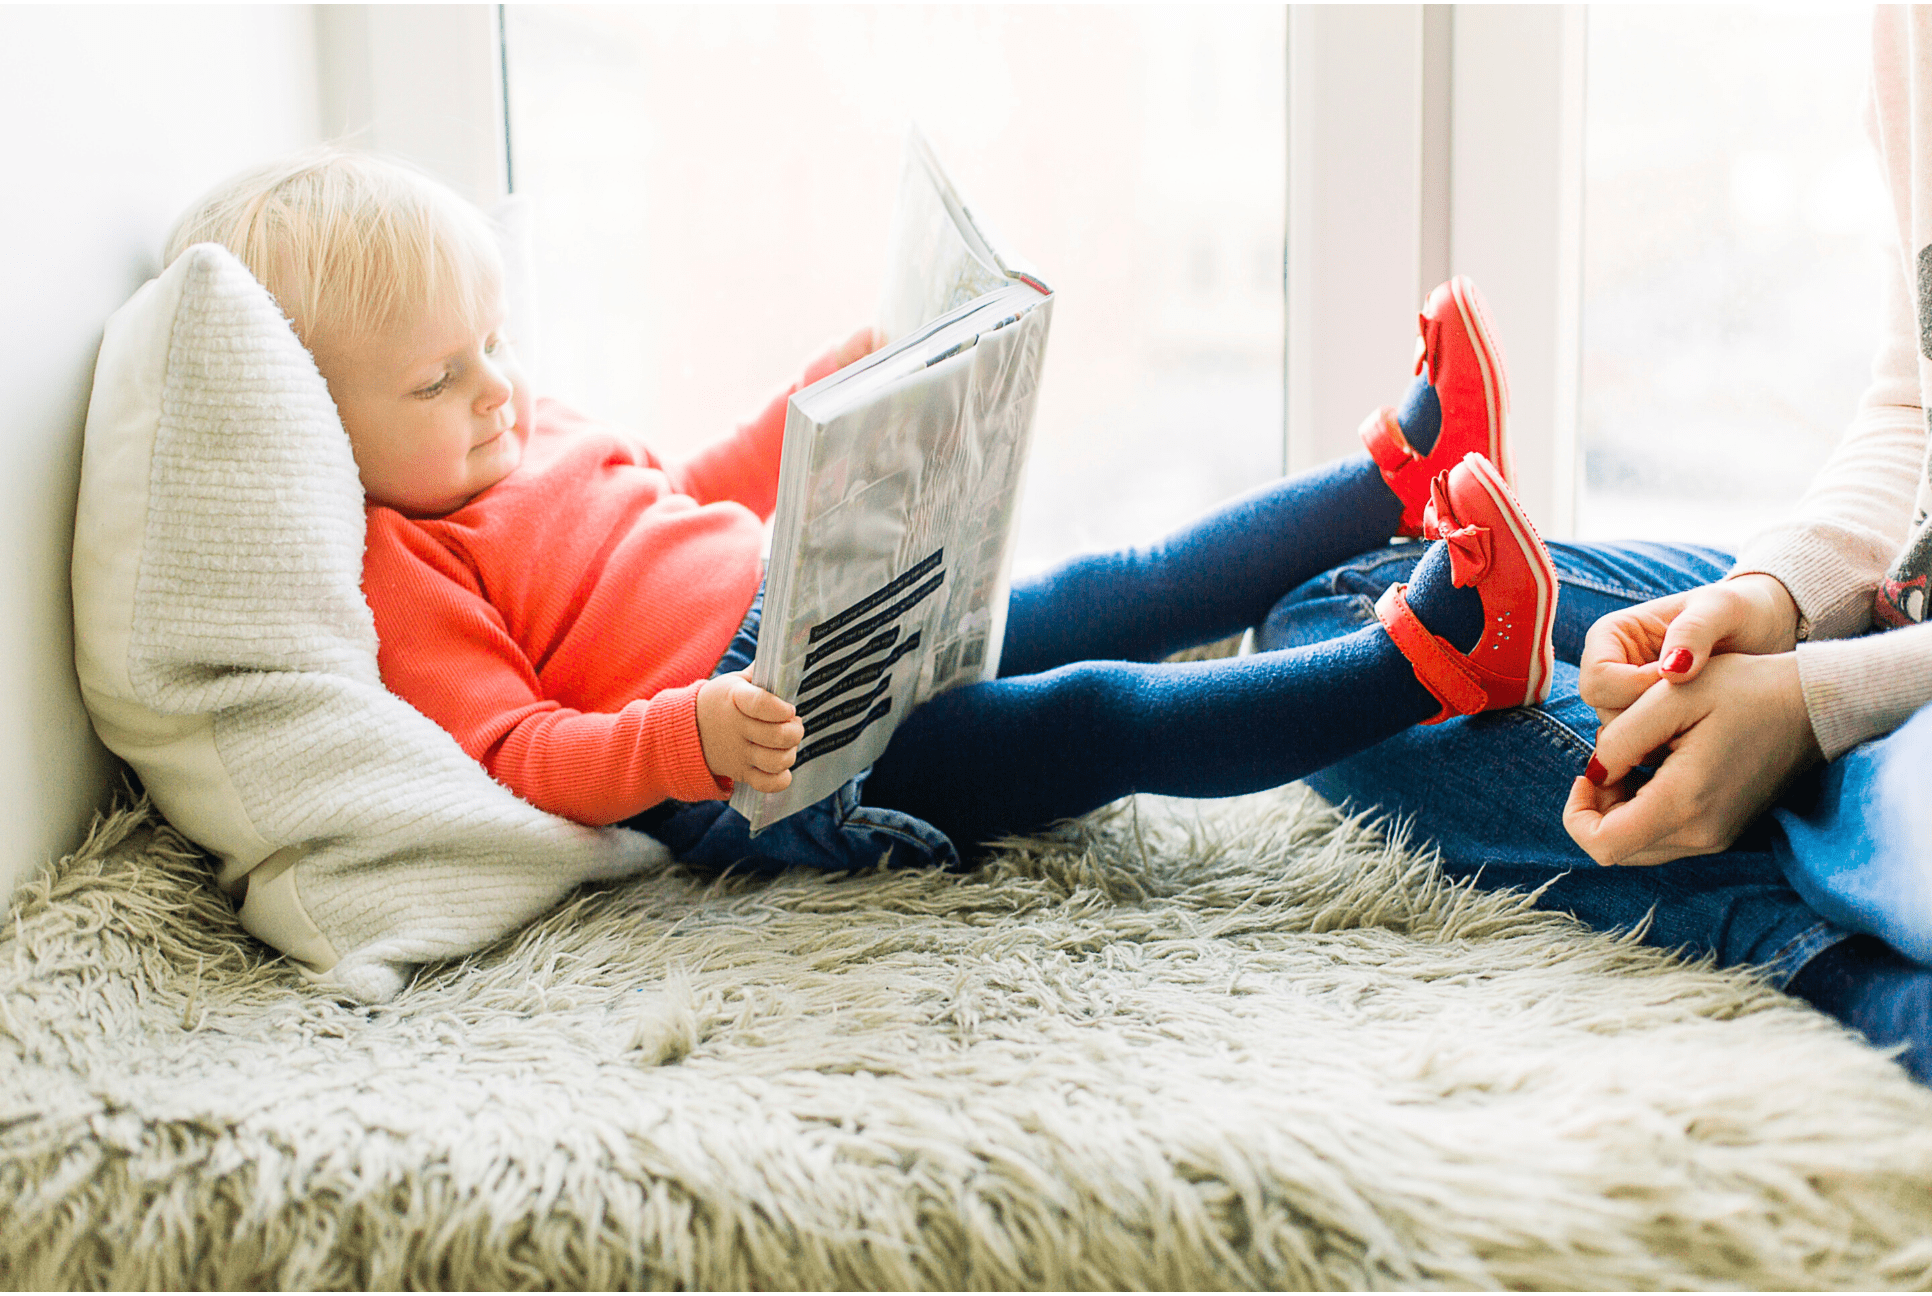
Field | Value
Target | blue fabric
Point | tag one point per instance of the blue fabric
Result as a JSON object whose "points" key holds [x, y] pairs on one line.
{"points": [[1860, 849], [1420, 415], [1085, 712], [836, 834], [1489, 789]]}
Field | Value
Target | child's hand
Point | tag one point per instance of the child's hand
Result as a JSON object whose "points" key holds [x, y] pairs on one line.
{"points": [[748, 735], [857, 347]]}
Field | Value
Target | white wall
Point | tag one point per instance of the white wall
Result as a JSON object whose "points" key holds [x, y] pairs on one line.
{"points": [[111, 120]]}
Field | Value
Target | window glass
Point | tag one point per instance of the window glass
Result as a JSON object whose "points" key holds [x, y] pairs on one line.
{"points": [[1733, 235], [712, 186]]}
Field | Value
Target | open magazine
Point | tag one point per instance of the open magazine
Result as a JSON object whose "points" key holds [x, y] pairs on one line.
{"points": [[897, 495]]}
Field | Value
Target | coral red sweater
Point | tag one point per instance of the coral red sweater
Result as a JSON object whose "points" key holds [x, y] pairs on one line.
{"points": [[560, 624]]}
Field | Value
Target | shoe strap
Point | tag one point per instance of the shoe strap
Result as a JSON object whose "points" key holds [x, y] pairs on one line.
{"points": [[1386, 444], [1401, 466], [1440, 666]]}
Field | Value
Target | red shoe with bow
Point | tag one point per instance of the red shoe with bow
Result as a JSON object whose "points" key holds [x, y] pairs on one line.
{"points": [[1457, 356], [1493, 547]]}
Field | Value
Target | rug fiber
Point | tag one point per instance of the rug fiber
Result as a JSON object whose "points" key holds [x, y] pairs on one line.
{"points": [[1178, 1044]]}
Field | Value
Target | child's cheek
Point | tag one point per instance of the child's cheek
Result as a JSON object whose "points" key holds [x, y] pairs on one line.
{"points": [[524, 402]]}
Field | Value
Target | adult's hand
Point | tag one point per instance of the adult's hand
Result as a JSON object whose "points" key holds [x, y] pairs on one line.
{"points": [[1732, 737], [1673, 638]]}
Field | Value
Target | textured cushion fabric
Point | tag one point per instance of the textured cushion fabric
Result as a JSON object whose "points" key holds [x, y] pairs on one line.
{"points": [[226, 652]]}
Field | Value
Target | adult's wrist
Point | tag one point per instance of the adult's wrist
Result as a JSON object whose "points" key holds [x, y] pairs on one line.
{"points": [[1777, 623]]}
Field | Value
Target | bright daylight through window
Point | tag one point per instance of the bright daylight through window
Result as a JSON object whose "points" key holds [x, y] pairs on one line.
{"points": [[1733, 226], [712, 188]]}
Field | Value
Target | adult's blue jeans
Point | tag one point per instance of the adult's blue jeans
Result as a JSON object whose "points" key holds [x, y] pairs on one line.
{"points": [[1489, 789], [1856, 842]]}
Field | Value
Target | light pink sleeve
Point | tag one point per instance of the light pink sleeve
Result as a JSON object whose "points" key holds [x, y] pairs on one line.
{"points": [[1855, 516], [1858, 513]]}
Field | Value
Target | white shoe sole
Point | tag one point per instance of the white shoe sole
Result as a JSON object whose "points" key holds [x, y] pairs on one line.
{"points": [[1542, 666]]}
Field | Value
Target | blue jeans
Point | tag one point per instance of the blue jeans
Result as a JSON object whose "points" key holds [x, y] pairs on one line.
{"points": [[836, 834], [1856, 842], [1085, 711], [1489, 789]]}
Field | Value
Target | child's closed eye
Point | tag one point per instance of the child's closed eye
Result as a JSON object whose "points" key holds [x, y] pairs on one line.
{"points": [[433, 390]]}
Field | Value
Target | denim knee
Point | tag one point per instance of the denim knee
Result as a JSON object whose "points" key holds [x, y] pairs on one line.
{"points": [[1859, 848], [1340, 601]]}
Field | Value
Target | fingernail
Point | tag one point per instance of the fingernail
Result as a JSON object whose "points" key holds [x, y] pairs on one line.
{"points": [[1676, 661], [1596, 773]]}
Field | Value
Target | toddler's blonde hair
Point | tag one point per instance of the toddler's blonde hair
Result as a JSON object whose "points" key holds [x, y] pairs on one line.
{"points": [[351, 245]]}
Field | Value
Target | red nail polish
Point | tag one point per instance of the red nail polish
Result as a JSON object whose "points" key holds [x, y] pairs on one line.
{"points": [[1596, 773], [1676, 662]]}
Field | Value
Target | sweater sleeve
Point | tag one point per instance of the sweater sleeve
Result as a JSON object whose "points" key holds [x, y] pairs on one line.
{"points": [[1856, 514], [742, 466], [1858, 689], [446, 650]]}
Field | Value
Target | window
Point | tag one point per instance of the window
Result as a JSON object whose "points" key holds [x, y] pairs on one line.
{"points": [[1733, 216], [712, 188]]}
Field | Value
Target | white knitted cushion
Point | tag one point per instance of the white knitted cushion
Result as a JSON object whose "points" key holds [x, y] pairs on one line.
{"points": [[225, 652]]}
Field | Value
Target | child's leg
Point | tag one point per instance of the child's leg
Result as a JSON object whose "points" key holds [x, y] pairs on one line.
{"points": [[1220, 574], [1212, 578], [1016, 753]]}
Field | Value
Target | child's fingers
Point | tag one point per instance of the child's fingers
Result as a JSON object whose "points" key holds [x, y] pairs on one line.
{"points": [[757, 704], [780, 737], [762, 782], [771, 759]]}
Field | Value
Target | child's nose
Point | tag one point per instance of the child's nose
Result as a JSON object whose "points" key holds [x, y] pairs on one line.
{"points": [[496, 390]]}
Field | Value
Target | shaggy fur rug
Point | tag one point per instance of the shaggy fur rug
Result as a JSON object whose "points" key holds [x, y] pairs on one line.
{"points": [[1232, 1044]]}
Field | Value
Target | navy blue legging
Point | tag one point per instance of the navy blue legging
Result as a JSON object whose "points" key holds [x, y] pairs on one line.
{"points": [[1085, 711]]}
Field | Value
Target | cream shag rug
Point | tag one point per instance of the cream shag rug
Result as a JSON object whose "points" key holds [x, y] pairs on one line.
{"points": [[1231, 1044]]}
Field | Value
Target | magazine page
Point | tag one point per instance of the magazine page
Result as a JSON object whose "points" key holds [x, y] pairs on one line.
{"points": [[936, 260], [889, 575]]}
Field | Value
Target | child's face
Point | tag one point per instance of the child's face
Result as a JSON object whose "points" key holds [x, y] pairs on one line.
{"points": [[436, 412]]}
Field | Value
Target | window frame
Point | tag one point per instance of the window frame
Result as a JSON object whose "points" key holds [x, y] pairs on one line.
{"points": [[1425, 140], [422, 82]]}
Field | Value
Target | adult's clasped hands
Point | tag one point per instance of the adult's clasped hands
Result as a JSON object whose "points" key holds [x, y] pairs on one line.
{"points": [[1702, 686]]}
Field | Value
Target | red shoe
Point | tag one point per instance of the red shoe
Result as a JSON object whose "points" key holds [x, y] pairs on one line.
{"points": [[1493, 547], [1456, 350]]}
